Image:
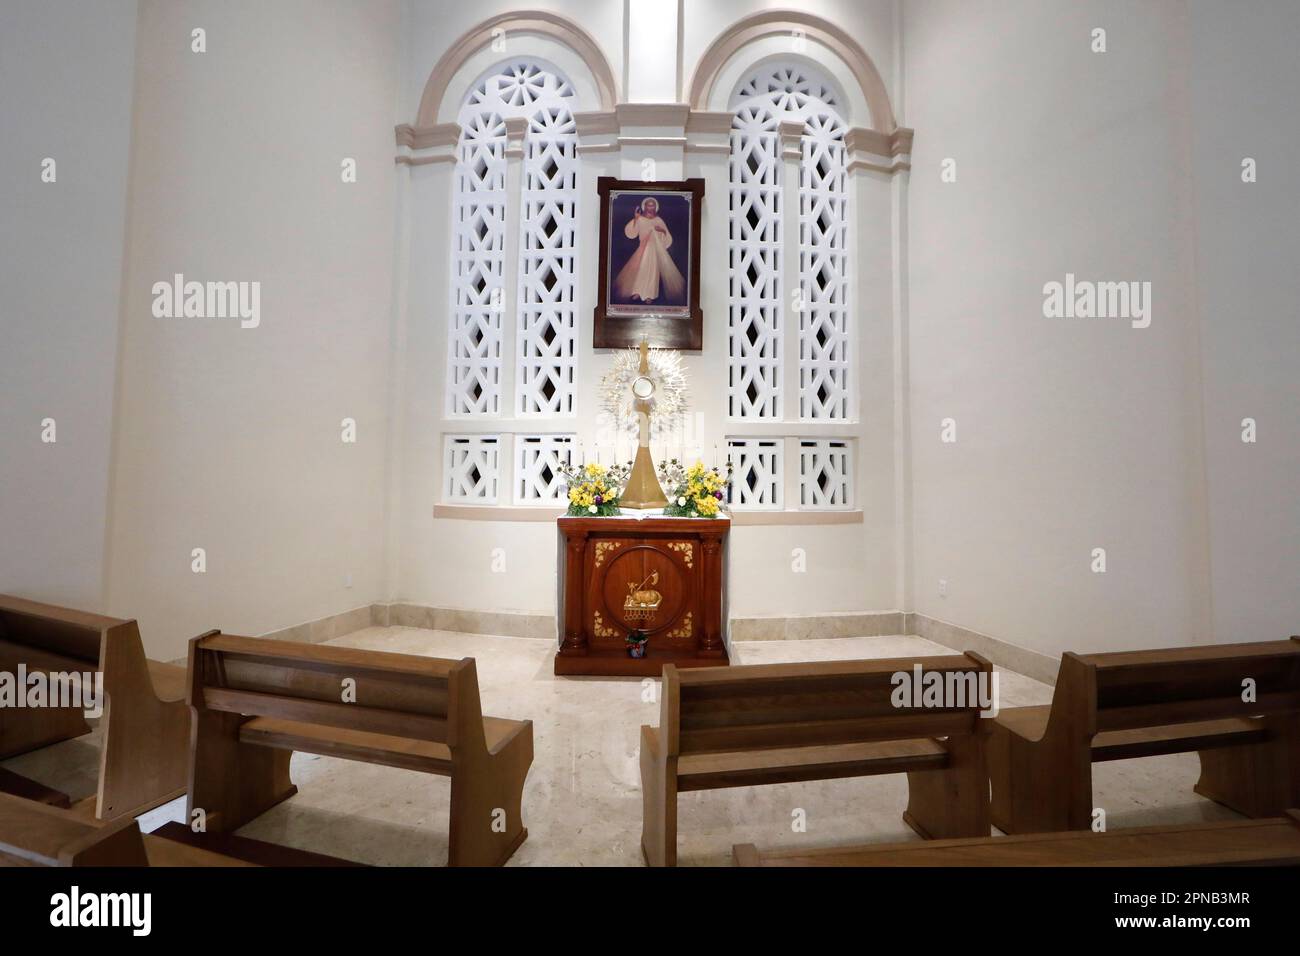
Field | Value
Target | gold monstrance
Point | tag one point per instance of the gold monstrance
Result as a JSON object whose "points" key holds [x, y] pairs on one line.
{"points": [[643, 489]]}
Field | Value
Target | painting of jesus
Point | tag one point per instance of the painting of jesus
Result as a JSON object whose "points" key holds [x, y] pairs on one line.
{"points": [[649, 263], [650, 275]]}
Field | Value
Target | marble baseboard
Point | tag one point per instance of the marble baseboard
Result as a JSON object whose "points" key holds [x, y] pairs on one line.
{"points": [[325, 628], [1011, 656], [768, 628], [499, 623], [816, 626]]}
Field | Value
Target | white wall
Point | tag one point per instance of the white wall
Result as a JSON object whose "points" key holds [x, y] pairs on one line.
{"points": [[1073, 434], [1244, 76], [1083, 433], [65, 93], [228, 439]]}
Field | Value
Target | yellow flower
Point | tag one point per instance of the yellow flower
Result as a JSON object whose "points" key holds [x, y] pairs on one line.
{"points": [[707, 506], [594, 470]]}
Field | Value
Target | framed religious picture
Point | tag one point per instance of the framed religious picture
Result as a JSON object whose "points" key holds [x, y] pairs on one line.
{"points": [[649, 264]]}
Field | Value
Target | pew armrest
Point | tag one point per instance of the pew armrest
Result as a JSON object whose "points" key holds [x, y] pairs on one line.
{"points": [[168, 681], [650, 740], [500, 732], [1027, 723]]}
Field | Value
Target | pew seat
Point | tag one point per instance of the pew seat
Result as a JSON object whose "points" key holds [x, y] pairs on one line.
{"points": [[749, 768], [1031, 723], [428, 756], [1273, 841]]}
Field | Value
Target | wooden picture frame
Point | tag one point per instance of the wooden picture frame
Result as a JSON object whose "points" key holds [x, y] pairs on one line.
{"points": [[669, 314]]}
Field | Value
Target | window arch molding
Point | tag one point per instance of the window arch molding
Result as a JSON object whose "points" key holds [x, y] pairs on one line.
{"points": [[737, 50], [531, 33]]}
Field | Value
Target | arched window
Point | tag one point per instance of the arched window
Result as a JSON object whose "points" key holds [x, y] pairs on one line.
{"points": [[773, 95], [767, 290], [539, 99], [547, 275]]}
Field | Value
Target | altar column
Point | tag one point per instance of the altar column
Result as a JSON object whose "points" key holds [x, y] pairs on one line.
{"points": [[573, 638], [711, 641]]}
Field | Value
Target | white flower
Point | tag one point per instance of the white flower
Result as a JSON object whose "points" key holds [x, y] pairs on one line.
{"points": [[681, 502], [591, 508]]}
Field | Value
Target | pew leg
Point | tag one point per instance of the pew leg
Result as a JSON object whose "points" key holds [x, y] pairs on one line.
{"points": [[1029, 794], [232, 782], [658, 804], [953, 802], [1258, 780], [1025, 796], [998, 753], [144, 755], [487, 824]]}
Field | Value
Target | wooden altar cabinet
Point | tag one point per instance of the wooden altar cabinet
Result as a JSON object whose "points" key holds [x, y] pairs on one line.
{"points": [[604, 562]]}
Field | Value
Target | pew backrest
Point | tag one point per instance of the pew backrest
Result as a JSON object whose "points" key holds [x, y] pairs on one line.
{"points": [[58, 631], [1137, 689], [718, 709], [401, 695]]}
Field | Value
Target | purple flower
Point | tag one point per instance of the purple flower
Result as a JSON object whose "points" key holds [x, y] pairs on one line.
{"points": [[600, 499], [718, 495]]}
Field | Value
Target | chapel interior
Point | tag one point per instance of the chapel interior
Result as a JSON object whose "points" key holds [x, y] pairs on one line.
{"points": [[703, 432]]}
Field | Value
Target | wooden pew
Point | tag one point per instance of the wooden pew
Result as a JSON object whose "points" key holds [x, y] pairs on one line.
{"points": [[33, 834], [1274, 841], [146, 724], [778, 723], [250, 851], [1145, 703], [256, 701]]}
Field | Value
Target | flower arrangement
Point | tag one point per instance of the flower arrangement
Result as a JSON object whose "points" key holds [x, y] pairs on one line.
{"points": [[594, 489], [694, 492]]}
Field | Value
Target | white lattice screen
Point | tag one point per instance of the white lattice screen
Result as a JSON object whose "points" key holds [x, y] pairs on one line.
{"points": [[825, 473], [472, 468], [547, 274], [823, 273], [754, 366], [774, 94], [537, 466], [478, 267], [757, 465]]}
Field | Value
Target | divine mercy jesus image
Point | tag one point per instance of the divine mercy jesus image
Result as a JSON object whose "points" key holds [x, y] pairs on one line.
{"points": [[650, 275]]}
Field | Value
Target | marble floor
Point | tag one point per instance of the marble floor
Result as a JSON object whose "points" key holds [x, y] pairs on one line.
{"points": [[582, 802]]}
